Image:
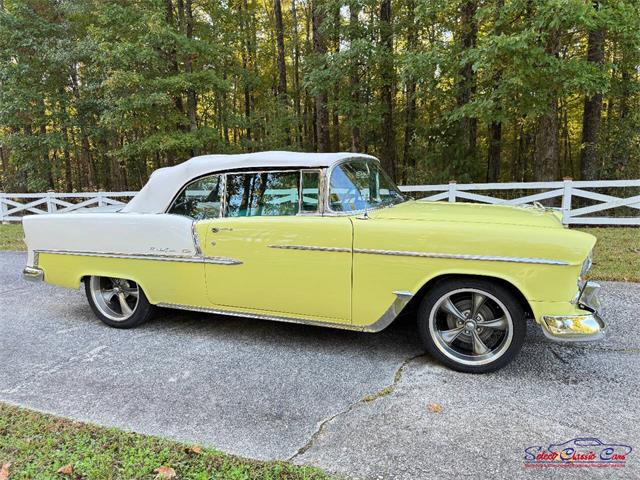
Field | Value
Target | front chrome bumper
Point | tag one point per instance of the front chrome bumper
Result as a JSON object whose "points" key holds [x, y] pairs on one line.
{"points": [[33, 274], [578, 328]]}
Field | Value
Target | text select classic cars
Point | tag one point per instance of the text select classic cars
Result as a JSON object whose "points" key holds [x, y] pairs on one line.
{"points": [[329, 240]]}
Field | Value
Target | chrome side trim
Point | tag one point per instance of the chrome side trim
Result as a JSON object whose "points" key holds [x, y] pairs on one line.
{"points": [[275, 318], [401, 301], [312, 247], [221, 260], [145, 256], [403, 253], [456, 256], [196, 240], [33, 274]]}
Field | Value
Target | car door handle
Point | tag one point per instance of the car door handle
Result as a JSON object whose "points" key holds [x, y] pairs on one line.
{"points": [[219, 229]]}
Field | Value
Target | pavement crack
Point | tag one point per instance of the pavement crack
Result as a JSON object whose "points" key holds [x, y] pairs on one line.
{"points": [[37, 375], [13, 290], [558, 355], [383, 392], [389, 389]]}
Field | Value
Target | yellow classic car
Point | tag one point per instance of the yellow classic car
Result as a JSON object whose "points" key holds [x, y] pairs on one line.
{"points": [[329, 240]]}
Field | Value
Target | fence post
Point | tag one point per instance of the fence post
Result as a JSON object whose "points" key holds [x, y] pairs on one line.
{"points": [[3, 208], [566, 200], [100, 196], [51, 207], [453, 187]]}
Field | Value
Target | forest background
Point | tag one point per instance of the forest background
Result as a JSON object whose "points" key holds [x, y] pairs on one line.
{"points": [[96, 94]]}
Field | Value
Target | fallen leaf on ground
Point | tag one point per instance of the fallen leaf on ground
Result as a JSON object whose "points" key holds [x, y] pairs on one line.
{"points": [[196, 449], [165, 473], [66, 470], [4, 471], [434, 408]]}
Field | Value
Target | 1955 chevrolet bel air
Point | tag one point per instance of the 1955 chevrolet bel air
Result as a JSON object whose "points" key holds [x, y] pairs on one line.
{"points": [[325, 239]]}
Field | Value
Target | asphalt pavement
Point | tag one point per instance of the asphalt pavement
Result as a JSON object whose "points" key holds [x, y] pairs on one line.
{"points": [[355, 404]]}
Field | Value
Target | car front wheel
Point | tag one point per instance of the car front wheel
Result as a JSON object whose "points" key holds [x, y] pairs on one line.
{"points": [[118, 302], [471, 325]]}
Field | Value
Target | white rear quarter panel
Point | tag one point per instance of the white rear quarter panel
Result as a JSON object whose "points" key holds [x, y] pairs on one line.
{"points": [[115, 233]]}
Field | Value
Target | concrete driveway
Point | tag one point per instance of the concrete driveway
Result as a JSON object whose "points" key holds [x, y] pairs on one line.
{"points": [[355, 404]]}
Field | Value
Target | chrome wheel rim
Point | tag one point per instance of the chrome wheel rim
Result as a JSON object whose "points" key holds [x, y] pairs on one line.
{"points": [[471, 326], [116, 298]]}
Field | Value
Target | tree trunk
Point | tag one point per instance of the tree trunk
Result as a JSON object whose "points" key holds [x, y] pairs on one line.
{"points": [[85, 156], [68, 174], [335, 121], [467, 87], [494, 150], [310, 133], [282, 66], [626, 125], [296, 73], [192, 102], [246, 67], [546, 157], [546, 164], [354, 80], [322, 114], [387, 151], [173, 69], [408, 159], [591, 117], [4, 162]]}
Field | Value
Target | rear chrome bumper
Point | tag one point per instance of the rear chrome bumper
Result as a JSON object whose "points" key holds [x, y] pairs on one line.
{"points": [[578, 328], [33, 274]]}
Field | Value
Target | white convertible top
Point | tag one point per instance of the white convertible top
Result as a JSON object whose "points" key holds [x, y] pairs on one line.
{"points": [[165, 183]]}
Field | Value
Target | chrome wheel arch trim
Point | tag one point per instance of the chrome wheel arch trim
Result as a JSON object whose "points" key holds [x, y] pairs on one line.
{"points": [[148, 256], [394, 310]]}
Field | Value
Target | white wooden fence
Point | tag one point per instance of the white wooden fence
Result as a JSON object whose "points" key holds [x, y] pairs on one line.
{"points": [[567, 194], [13, 206]]}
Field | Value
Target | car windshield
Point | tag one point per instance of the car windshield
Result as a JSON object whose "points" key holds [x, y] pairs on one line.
{"points": [[361, 184]]}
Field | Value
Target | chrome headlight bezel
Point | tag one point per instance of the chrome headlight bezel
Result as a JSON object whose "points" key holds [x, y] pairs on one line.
{"points": [[586, 265]]}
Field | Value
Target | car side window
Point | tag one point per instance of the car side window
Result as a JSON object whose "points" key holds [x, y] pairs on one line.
{"points": [[262, 194], [310, 190], [200, 199]]}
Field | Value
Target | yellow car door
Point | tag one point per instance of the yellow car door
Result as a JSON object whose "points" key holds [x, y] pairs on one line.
{"points": [[272, 253]]}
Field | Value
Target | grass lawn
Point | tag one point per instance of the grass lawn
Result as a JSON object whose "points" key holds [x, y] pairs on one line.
{"points": [[11, 237], [39, 445], [617, 254]]}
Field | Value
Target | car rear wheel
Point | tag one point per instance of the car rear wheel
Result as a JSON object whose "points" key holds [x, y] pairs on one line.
{"points": [[472, 325], [118, 302]]}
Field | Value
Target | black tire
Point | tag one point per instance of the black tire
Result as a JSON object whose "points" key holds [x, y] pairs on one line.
{"points": [[142, 311], [464, 352]]}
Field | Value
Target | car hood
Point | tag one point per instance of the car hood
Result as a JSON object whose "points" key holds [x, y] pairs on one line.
{"points": [[470, 213]]}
